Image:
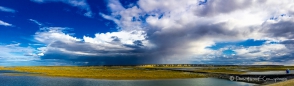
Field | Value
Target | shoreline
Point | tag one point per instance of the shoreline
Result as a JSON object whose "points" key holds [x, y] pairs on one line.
{"points": [[260, 79], [101, 78], [282, 83], [104, 73], [147, 73]]}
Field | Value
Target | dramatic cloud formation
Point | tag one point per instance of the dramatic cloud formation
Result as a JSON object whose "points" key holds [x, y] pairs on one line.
{"points": [[82, 4], [104, 48], [5, 9], [186, 31], [4, 23]]}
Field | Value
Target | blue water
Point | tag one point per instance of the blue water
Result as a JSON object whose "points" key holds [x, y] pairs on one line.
{"points": [[6, 80], [271, 72]]}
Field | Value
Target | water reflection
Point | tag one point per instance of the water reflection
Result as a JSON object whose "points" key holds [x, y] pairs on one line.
{"points": [[53, 81], [49, 81]]}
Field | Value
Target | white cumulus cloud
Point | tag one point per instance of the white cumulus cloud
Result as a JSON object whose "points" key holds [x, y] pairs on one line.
{"points": [[103, 44]]}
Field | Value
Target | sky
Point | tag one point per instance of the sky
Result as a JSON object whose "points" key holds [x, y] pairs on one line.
{"points": [[133, 32]]}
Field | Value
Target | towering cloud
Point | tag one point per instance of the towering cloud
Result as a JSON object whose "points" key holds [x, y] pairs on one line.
{"points": [[160, 31], [183, 30], [104, 48]]}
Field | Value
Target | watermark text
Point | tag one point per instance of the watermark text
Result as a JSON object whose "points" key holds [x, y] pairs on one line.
{"points": [[253, 79]]}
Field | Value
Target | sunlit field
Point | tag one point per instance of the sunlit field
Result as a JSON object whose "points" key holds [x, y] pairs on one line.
{"points": [[104, 72], [137, 72]]}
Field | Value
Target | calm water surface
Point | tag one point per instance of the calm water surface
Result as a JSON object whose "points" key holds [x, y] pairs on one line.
{"points": [[6, 80], [271, 72]]}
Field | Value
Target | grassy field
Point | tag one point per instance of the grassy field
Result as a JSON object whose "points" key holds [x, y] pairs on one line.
{"points": [[119, 72], [103, 72]]}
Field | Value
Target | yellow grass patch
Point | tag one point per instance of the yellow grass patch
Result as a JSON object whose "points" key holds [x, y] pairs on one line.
{"points": [[104, 72]]}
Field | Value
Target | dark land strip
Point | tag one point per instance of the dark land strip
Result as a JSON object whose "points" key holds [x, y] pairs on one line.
{"points": [[261, 79]]}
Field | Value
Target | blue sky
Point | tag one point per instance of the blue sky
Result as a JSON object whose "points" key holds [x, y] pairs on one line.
{"points": [[125, 32]]}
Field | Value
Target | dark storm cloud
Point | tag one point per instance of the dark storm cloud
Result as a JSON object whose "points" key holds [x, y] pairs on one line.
{"points": [[281, 29], [107, 56], [103, 60], [283, 58], [288, 42], [177, 38], [173, 42], [168, 43], [110, 58], [215, 7], [230, 60], [87, 48]]}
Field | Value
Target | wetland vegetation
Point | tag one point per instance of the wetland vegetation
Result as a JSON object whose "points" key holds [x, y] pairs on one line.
{"points": [[103, 72], [139, 72], [136, 72]]}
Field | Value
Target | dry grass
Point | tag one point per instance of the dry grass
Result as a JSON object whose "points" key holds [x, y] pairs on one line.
{"points": [[103, 72], [119, 72]]}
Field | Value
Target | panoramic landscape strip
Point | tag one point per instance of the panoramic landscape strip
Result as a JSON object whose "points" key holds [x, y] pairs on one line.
{"points": [[146, 42], [159, 71], [100, 72]]}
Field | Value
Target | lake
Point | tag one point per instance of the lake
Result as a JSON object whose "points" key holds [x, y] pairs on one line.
{"points": [[6, 80], [270, 72]]}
